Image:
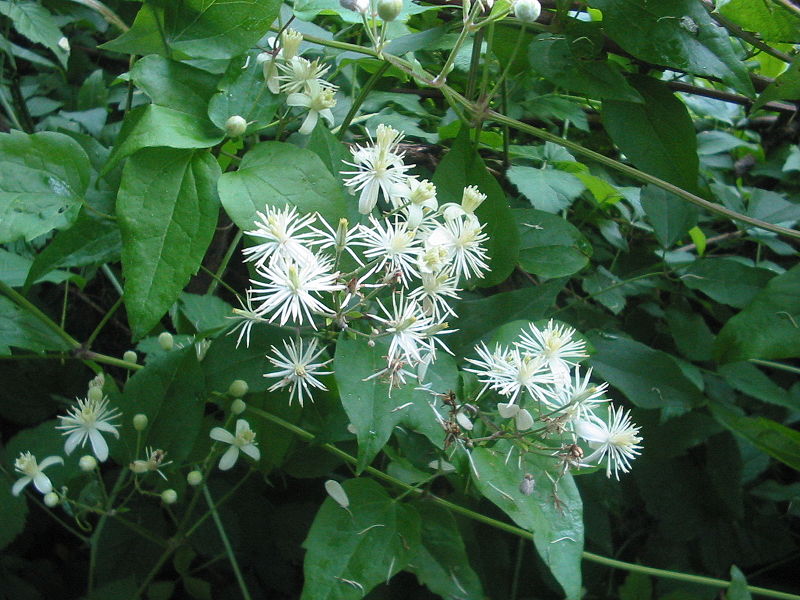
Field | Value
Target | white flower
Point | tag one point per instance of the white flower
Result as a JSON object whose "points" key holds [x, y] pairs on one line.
{"points": [[290, 43], [394, 374], [576, 397], [300, 73], [434, 292], [555, 345], [247, 317], [471, 199], [379, 167], [616, 441], [340, 240], [510, 371], [285, 234], [86, 421], [318, 100], [463, 238], [392, 245], [244, 440], [30, 470], [287, 288], [297, 369], [417, 199], [410, 329], [493, 368]]}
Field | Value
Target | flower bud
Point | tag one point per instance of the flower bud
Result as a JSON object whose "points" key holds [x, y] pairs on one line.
{"points": [[527, 11], [235, 126], [238, 388], [130, 356], [507, 410], [166, 341], [95, 394], [169, 496], [290, 43], [194, 478], [238, 406], [63, 43], [388, 10], [359, 6], [50, 499], [87, 463], [140, 421]]}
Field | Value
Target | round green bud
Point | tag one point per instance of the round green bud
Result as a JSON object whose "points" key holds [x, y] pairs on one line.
{"points": [[140, 421], [238, 406], [527, 11], [95, 394], [166, 341], [130, 356], [238, 388], [388, 10], [87, 463], [169, 496], [194, 478], [51, 499], [235, 126]]}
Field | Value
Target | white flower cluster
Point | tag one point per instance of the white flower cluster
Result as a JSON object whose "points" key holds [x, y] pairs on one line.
{"points": [[541, 380], [287, 72], [417, 249]]}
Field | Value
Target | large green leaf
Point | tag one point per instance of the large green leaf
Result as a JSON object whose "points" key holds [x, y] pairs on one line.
{"points": [[768, 327], [36, 23], [772, 20], [727, 281], [749, 379], [167, 209], [549, 245], [574, 63], [785, 87], [217, 29], [557, 528], [351, 551], [174, 84], [461, 167], [20, 329], [658, 136], [279, 174], [374, 409], [43, 178], [670, 216], [549, 190], [649, 378], [675, 33]]}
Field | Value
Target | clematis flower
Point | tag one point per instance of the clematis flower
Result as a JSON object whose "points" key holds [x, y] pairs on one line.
{"points": [[86, 421], [318, 100], [30, 470], [244, 440], [556, 346], [615, 441], [297, 369]]}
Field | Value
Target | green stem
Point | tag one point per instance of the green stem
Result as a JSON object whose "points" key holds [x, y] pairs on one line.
{"points": [[775, 365], [362, 95], [475, 516], [509, 64], [23, 302], [224, 264], [226, 543], [109, 360], [112, 278], [103, 322], [94, 541]]}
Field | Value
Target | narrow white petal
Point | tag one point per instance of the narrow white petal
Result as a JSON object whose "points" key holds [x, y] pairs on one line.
{"points": [[252, 451], [74, 438], [19, 484], [42, 483], [221, 435], [50, 460], [98, 445], [229, 458]]}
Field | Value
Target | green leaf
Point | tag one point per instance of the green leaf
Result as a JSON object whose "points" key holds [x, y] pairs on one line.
{"points": [[167, 209], [308, 9], [549, 190], [785, 87], [649, 378], [773, 21], [727, 281], [243, 91], [780, 442], [461, 167], [675, 33], [768, 327], [658, 136], [175, 85], [374, 409], [691, 333], [671, 216], [750, 380], [205, 312], [332, 152], [170, 391], [14, 270], [442, 563], [13, 512], [574, 63], [20, 329], [637, 586], [225, 362], [280, 174], [217, 29], [36, 23], [549, 245], [557, 533], [351, 551], [152, 125], [737, 590], [43, 179]]}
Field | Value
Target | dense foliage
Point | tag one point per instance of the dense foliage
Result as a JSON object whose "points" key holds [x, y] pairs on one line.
{"points": [[344, 300]]}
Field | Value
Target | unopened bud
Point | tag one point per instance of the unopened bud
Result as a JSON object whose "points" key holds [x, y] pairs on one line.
{"points": [[463, 421], [527, 11], [87, 463], [507, 410], [166, 341], [130, 356], [388, 10], [140, 422], [290, 43], [95, 394], [238, 388], [194, 478], [50, 499], [235, 126], [238, 406], [169, 496]]}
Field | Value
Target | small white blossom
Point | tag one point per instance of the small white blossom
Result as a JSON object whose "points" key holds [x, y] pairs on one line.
{"points": [[471, 199], [285, 232], [463, 238], [30, 470], [301, 73], [555, 345], [434, 293], [615, 441], [246, 317], [409, 327], [392, 245], [492, 368], [297, 369], [243, 440], [318, 100], [341, 240], [577, 397], [87, 420]]}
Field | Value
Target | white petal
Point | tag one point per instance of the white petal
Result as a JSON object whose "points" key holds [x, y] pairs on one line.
{"points": [[19, 484], [336, 491], [42, 483], [98, 445], [252, 451], [309, 123], [464, 421], [298, 99], [591, 432], [221, 435], [73, 440], [507, 410], [523, 420], [229, 458], [108, 428], [50, 460], [327, 114]]}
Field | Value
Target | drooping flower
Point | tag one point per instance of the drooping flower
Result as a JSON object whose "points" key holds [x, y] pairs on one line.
{"points": [[30, 470], [615, 441], [318, 100], [87, 420], [243, 440], [555, 345], [471, 199], [297, 369]]}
